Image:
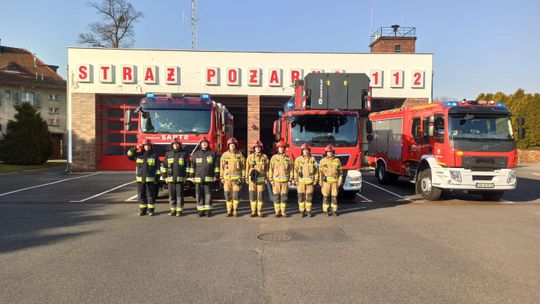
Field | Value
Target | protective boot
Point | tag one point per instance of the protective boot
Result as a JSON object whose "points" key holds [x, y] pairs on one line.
{"points": [[260, 209], [201, 213], [277, 210], [284, 209], [178, 211], [308, 209], [235, 208], [209, 214], [142, 211], [253, 208], [151, 210], [229, 208], [334, 206]]}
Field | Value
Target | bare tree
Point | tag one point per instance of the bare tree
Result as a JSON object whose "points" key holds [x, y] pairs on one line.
{"points": [[116, 28]]}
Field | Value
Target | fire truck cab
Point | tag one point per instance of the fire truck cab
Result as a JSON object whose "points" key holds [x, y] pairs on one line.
{"points": [[326, 110], [456, 145], [163, 117]]}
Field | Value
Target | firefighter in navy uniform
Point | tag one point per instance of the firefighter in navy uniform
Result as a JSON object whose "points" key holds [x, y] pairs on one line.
{"points": [[147, 175], [173, 171], [256, 170], [306, 177], [204, 169], [232, 165], [330, 179], [280, 175]]}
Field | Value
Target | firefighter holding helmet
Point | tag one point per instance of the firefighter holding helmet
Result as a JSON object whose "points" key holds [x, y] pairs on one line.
{"points": [[330, 179], [256, 168], [280, 175], [147, 174], [232, 166], [204, 169], [173, 171], [305, 175]]}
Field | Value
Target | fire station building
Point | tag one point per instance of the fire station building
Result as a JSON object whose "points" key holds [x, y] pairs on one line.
{"points": [[103, 83]]}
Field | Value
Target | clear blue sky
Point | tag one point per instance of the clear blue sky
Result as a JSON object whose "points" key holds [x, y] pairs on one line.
{"points": [[478, 45]]}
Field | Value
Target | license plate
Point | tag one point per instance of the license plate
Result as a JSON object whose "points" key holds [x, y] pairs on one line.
{"points": [[485, 185]]}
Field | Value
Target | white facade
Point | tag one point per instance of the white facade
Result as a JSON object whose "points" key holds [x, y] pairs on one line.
{"points": [[137, 71]]}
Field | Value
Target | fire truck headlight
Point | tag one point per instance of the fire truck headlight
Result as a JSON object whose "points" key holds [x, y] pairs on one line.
{"points": [[455, 176], [511, 178]]}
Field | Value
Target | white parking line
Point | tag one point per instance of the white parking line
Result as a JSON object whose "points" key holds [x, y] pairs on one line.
{"points": [[364, 199], [132, 199], [388, 191], [48, 184], [100, 194]]}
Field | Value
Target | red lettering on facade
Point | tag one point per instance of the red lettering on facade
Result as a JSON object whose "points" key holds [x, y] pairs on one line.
{"points": [[83, 72]]}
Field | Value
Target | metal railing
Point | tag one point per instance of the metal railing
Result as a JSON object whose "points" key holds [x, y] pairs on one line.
{"points": [[393, 32]]}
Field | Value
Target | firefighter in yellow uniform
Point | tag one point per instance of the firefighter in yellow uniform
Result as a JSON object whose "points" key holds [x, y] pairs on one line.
{"points": [[280, 174], [232, 166], [305, 176], [256, 168], [330, 179]]}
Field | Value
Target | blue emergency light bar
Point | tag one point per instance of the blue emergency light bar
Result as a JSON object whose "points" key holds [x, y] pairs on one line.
{"points": [[450, 104], [149, 95], [205, 96]]}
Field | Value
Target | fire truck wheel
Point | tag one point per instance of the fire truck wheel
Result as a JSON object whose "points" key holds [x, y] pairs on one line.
{"points": [[384, 177], [428, 191], [492, 195]]}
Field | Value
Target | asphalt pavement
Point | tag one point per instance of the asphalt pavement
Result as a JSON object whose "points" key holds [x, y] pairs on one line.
{"points": [[76, 239]]}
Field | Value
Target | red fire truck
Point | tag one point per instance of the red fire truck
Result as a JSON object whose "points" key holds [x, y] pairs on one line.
{"points": [[456, 145], [325, 109], [163, 117]]}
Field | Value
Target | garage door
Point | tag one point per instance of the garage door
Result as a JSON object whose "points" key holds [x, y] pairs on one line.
{"points": [[115, 141]]}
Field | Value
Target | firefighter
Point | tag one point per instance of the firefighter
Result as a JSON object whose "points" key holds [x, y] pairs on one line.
{"points": [[280, 175], [305, 176], [330, 179], [147, 174], [256, 169], [173, 171], [204, 169], [232, 169]]}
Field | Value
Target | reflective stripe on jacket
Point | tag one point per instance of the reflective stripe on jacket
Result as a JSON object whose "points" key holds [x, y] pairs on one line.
{"points": [[147, 169]]}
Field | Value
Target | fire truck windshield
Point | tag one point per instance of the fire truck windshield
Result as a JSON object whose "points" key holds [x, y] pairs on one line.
{"points": [[475, 126], [321, 130], [175, 121]]}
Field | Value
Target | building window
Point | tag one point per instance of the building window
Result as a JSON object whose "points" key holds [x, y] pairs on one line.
{"points": [[54, 122], [54, 97], [54, 111], [397, 48], [16, 97], [7, 94], [27, 97], [37, 100]]}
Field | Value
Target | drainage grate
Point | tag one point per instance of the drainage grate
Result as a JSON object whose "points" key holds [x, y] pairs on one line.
{"points": [[274, 237]]}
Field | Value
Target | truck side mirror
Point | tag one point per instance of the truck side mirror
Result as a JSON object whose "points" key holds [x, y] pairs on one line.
{"points": [[127, 120], [431, 127], [521, 133], [369, 130], [277, 129], [521, 121]]}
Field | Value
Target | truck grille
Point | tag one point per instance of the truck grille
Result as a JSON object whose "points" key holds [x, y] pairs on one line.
{"points": [[482, 178], [475, 162]]}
